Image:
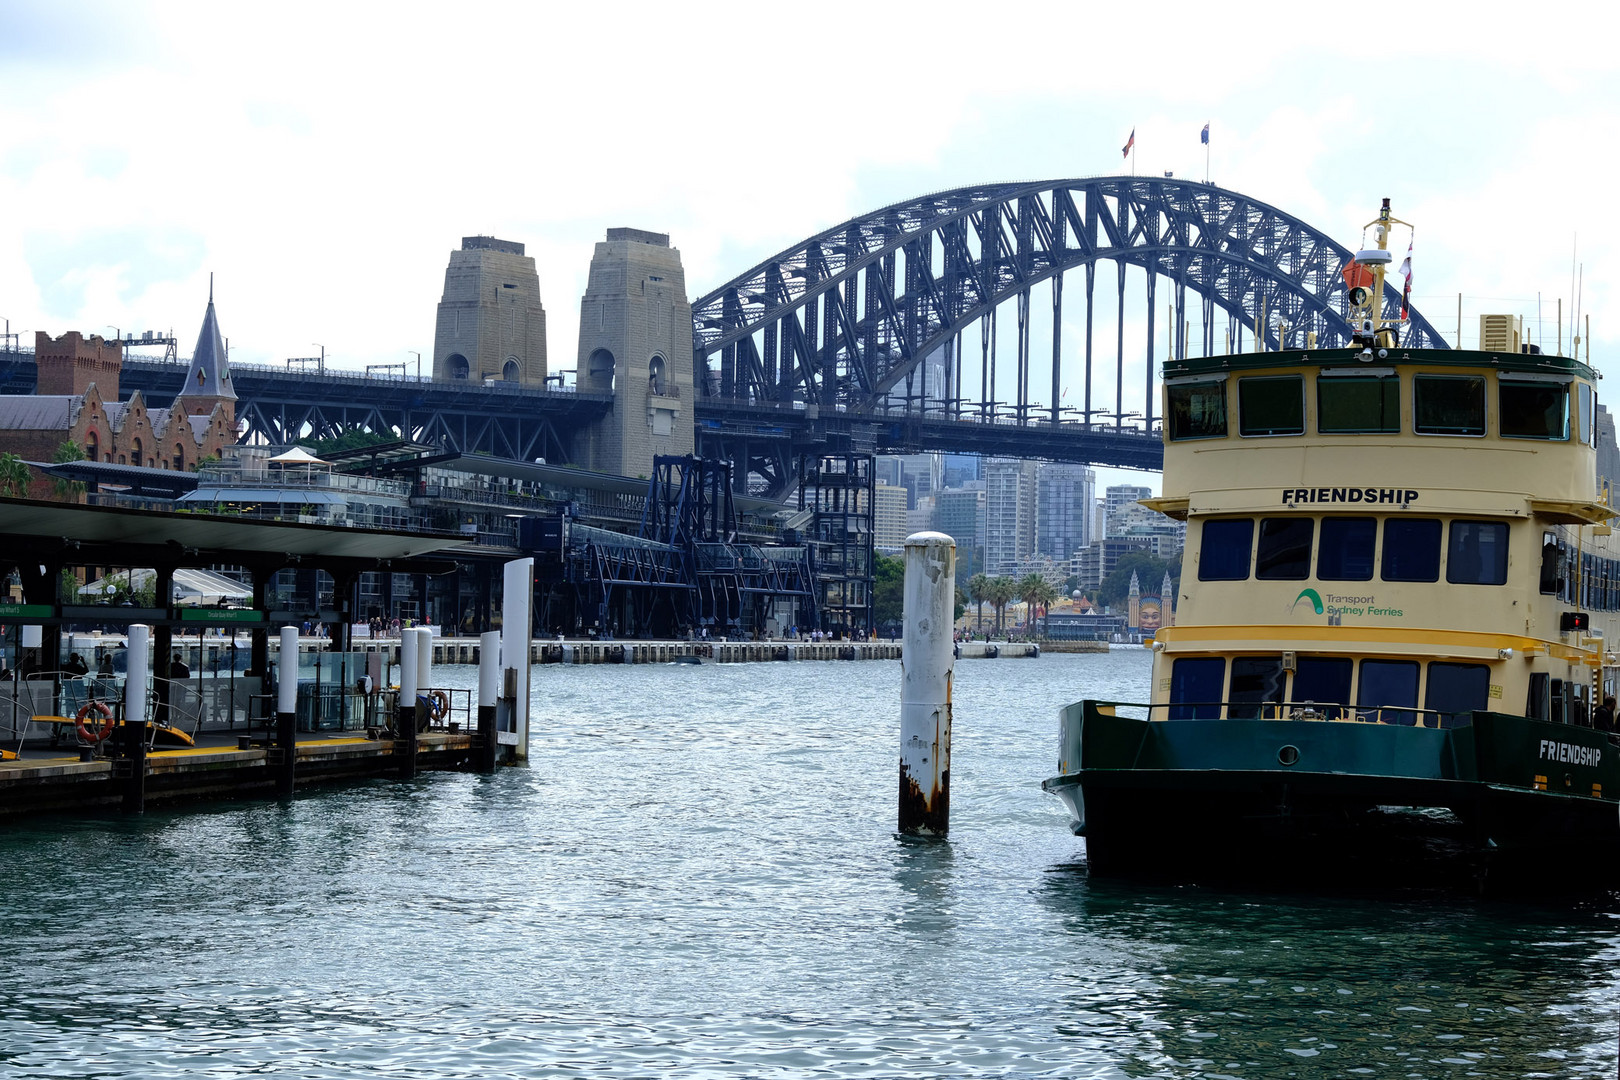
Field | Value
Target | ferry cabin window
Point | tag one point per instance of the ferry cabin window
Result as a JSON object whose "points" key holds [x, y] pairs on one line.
{"points": [[1323, 681], [1272, 406], [1224, 553], [1455, 690], [1346, 551], [1197, 410], [1477, 553], [1388, 691], [1552, 565], [1585, 414], [1533, 410], [1195, 687], [1256, 680], [1411, 549], [1284, 553], [1448, 404], [1357, 405]]}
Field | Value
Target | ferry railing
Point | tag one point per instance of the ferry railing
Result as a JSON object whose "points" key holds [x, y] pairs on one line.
{"points": [[1391, 715]]}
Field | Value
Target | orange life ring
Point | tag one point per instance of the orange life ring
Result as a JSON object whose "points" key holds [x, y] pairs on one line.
{"points": [[103, 730], [441, 704]]}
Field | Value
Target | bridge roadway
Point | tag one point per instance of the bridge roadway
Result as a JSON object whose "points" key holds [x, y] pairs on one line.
{"points": [[525, 423]]}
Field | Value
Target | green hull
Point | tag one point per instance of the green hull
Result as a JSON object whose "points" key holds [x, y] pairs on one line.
{"points": [[1172, 795]]}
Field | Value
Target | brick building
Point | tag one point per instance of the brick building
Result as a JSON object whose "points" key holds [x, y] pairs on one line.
{"points": [[76, 400]]}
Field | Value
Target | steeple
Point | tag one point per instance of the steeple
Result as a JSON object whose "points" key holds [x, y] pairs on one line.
{"points": [[208, 379]]}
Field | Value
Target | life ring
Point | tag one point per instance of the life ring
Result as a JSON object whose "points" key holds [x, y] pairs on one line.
{"points": [[440, 705], [103, 730]]}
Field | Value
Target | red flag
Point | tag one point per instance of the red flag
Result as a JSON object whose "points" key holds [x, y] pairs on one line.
{"points": [[1130, 142]]}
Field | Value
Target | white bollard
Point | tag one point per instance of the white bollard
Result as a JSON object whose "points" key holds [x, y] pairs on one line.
{"points": [[926, 661], [136, 660], [287, 675], [489, 668], [409, 657], [424, 659], [517, 594]]}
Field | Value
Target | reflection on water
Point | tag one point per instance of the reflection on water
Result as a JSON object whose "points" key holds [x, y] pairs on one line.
{"points": [[698, 876]]}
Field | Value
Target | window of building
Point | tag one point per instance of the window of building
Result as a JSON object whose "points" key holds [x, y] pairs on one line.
{"points": [[1256, 681], [1274, 405], [1224, 553], [1195, 687], [1325, 682], [1448, 404], [1284, 553], [1455, 690], [1358, 404], [1197, 410], [179, 457], [1477, 553], [1346, 551], [1532, 409], [1388, 691], [655, 374], [1411, 549], [135, 452]]}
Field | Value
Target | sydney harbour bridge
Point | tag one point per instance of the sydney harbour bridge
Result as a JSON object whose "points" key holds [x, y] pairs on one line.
{"points": [[921, 326]]}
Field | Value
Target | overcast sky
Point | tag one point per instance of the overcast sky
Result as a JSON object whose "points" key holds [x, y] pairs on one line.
{"points": [[322, 160]]}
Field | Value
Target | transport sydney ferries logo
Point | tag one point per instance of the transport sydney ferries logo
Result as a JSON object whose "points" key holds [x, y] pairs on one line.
{"points": [[1335, 607]]}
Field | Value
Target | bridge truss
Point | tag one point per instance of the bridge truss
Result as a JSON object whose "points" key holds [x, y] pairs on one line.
{"points": [[861, 327]]}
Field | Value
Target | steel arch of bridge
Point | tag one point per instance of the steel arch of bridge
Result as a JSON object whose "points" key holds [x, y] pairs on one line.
{"points": [[845, 318]]}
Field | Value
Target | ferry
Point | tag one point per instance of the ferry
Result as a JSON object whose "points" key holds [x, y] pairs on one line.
{"points": [[1397, 616]]}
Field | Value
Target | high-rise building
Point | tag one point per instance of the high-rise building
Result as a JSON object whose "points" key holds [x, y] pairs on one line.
{"points": [[1065, 494], [1009, 514], [1118, 496], [959, 513], [889, 518]]}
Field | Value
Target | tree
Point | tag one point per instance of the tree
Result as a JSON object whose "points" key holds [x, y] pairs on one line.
{"points": [[66, 453], [1000, 593], [14, 476], [978, 590], [1034, 591], [888, 589]]}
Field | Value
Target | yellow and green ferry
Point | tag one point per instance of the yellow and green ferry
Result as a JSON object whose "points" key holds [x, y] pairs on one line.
{"points": [[1397, 614]]}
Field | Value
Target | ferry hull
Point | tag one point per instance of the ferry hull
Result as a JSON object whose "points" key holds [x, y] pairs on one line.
{"points": [[1281, 798]]}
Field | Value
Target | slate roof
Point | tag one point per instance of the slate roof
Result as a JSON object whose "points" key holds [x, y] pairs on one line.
{"points": [[35, 412], [209, 374]]}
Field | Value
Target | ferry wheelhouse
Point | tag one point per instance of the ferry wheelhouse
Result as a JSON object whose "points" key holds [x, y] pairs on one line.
{"points": [[1397, 606]]}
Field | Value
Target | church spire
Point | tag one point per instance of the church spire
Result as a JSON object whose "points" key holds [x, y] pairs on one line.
{"points": [[208, 379]]}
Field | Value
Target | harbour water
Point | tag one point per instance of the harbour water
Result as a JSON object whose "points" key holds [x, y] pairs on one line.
{"points": [[697, 876]]}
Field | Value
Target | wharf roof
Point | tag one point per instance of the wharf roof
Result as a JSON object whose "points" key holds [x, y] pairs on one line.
{"points": [[51, 526], [1353, 357]]}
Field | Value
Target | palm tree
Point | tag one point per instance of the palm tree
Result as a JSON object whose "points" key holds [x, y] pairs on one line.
{"points": [[1033, 590], [977, 590], [1000, 594], [14, 476]]}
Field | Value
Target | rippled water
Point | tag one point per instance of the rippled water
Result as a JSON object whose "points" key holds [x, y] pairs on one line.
{"points": [[698, 876]]}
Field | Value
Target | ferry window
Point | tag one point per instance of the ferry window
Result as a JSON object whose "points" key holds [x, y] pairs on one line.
{"points": [[1323, 681], [1535, 704], [1411, 549], [1255, 680], [1388, 689], [1272, 406], [1346, 552], [1346, 405], [1533, 410], [1195, 687], [1224, 553], [1585, 414], [1448, 404], [1477, 553], [1285, 549], [1455, 690], [1552, 565], [1197, 410]]}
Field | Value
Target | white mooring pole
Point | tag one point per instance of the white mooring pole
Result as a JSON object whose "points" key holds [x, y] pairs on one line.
{"points": [[287, 709], [489, 690], [926, 660]]}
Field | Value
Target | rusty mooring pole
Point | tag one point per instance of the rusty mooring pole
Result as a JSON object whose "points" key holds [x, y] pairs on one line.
{"points": [[287, 709], [926, 660]]}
